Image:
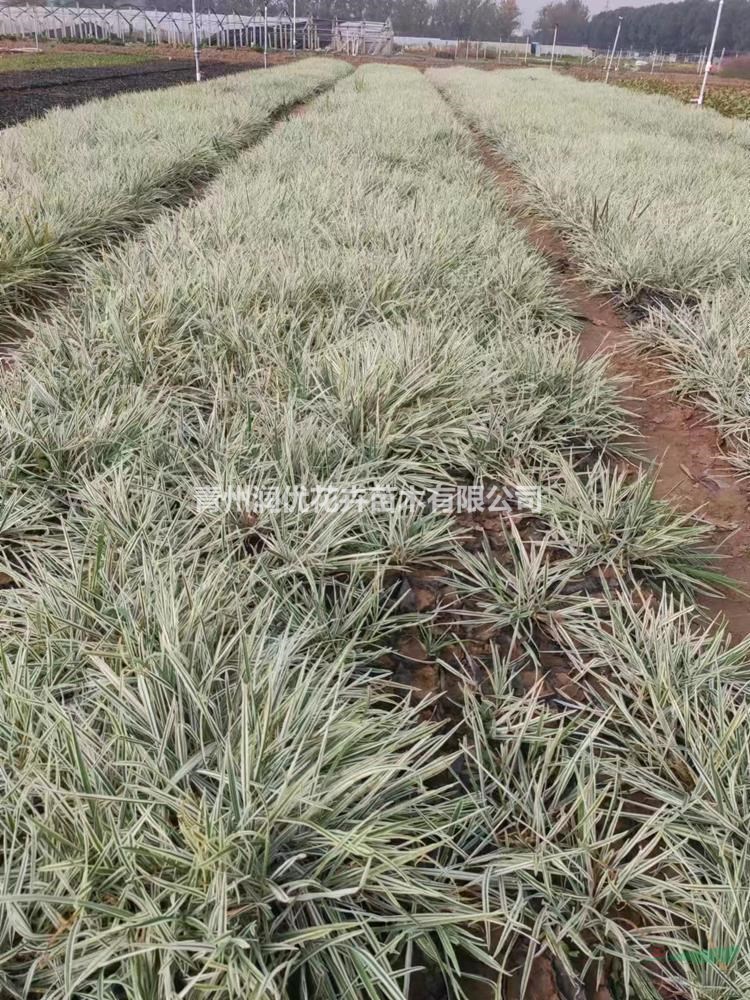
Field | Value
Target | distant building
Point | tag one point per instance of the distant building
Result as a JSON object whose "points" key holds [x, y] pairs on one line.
{"points": [[537, 49], [420, 42], [357, 38]]}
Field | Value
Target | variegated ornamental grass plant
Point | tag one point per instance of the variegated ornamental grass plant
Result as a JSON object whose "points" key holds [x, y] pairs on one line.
{"points": [[79, 178], [653, 200], [211, 785]]}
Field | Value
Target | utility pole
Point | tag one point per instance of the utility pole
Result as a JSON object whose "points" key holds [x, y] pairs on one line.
{"points": [[710, 54], [554, 44], [196, 45], [614, 49]]}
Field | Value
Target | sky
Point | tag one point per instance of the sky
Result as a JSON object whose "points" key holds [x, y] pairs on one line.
{"points": [[529, 8]]}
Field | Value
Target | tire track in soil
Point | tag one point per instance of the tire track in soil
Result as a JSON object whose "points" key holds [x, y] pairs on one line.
{"points": [[689, 467]]}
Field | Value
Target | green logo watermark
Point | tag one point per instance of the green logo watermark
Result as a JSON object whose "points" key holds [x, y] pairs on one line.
{"points": [[713, 956], [704, 956]]}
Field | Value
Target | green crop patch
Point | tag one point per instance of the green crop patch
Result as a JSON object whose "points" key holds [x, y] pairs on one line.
{"points": [[734, 102], [18, 62]]}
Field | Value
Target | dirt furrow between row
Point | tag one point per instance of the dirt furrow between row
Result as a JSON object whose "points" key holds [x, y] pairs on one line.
{"points": [[677, 439]]}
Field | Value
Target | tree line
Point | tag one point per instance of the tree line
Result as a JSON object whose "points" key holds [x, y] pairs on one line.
{"points": [[675, 27], [669, 27]]}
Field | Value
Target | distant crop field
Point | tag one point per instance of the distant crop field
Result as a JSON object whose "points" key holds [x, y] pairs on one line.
{"points": [[734, 102], [18, 62], [348, 649], [730, 97]]}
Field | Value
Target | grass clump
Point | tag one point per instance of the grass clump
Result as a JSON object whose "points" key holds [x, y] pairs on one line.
{"points": [[77, 179], [704, 345], [648, 194], [214, 783]]}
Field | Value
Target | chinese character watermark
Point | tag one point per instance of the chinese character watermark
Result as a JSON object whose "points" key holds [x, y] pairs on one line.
{"points": [[444, 499]]}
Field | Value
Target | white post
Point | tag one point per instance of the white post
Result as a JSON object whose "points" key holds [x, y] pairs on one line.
{"points": [[699, 70], [710, 54], [196, 44], [294, 27], [552, 53], [526, 52], [265, 37], [721, 58], [653, 62], [614, 49]]}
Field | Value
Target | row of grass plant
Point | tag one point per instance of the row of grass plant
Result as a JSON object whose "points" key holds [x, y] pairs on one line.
{"points": [[78, 178], [652, 198], [210, 786]]}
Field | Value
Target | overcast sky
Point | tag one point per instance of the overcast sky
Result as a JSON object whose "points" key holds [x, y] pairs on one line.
{"points": [[529, 8]]}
